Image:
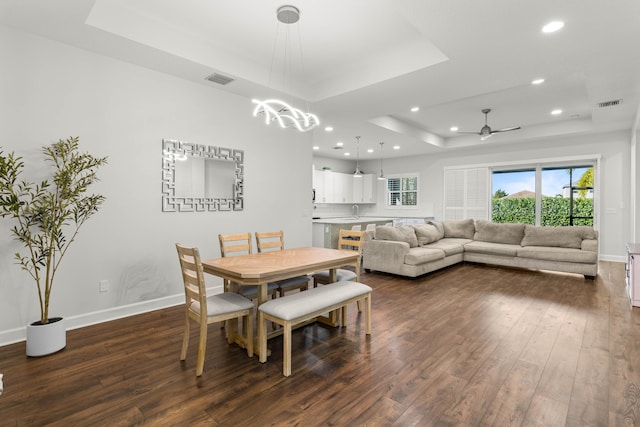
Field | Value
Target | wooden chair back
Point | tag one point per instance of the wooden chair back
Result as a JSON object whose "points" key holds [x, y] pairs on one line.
{"points": [[235, 244], [351, 240], [194, 284], [270, 240]]}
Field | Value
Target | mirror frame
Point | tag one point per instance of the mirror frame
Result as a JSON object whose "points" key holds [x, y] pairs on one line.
{"points": [[173, 149]]}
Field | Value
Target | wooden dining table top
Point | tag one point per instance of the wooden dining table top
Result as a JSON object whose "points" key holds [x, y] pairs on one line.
{"points": [[264, 267]]}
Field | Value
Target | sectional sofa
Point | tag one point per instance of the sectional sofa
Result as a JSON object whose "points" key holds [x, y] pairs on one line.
{"points": [[414, 250]]}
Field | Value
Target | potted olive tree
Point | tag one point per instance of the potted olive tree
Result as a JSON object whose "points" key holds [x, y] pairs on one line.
{"points": [[47, 217]]}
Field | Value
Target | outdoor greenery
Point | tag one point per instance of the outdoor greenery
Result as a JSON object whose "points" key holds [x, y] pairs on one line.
{"points": [[555, 211], [48, 215]]}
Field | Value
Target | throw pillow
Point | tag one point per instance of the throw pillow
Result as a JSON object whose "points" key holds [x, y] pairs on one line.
{"points": [[438, 226], [426, 233], [462, 229], [402, 233], [508, 233]]}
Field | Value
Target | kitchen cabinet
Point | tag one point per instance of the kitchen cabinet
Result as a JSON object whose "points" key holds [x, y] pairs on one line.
{"points": [[343, 188], [364, 189], [335, 187]]}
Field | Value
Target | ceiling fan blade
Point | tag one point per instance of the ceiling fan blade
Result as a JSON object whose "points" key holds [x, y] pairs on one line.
{"points": [[482, 138], [469, 133], [506, 129]]}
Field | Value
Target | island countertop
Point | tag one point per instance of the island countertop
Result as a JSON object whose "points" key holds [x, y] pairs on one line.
{"points": [[352, 220]]}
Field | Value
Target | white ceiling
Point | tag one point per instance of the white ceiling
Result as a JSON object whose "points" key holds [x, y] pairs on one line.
{"points": [[367, 62]]}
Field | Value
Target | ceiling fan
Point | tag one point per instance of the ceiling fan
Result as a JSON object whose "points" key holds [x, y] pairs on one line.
{"points": [[486, 131]]}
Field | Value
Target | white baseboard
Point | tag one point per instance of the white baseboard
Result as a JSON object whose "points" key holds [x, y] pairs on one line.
{"points": [[12, 336], [613, 258]]}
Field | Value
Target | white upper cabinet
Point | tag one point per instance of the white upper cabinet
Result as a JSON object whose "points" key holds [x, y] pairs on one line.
{"points": [[364, 189], [335, 187]]}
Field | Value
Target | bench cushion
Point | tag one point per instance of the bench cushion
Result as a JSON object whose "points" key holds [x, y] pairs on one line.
{"points": [[314, 300]]}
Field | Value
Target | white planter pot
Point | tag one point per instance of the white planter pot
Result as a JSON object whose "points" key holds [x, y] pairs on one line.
{"points": [[46, 339]]}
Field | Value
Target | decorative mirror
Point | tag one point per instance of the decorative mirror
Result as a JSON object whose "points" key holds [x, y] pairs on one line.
{"points": [[198, 178]]}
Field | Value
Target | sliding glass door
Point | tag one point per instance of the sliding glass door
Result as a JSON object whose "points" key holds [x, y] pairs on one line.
{"points": [[544, 195]]}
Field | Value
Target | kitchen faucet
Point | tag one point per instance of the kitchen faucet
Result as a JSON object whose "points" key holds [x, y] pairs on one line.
{"points": [[356, 208]]}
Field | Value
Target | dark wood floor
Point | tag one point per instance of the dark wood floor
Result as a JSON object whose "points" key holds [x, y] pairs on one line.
{"points": [[469, 345]]}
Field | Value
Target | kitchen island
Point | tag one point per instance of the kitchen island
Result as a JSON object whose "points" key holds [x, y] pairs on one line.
{"points": [[325, 230]]}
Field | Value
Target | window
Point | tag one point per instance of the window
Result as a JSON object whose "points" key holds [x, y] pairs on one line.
{"points": [[544, 195], [402, 190], [513, 196]]}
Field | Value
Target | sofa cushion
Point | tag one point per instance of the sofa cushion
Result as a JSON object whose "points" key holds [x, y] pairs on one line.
{"points": [[561, 237], [403, 233], [426, 233], [558, 254], [438, 225], [487, 231], [421, 255], [464, 228], [449, 246], [490, 248]]}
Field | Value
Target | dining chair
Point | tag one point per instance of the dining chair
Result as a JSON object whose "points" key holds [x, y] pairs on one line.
{"points": [[357, 227], [205, 310], [347, 240], [240, 244], [274, 241], [370, 227]]}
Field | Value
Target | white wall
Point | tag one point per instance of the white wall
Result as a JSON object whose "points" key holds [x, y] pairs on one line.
{"points": [[614, 149], [52, 91]]}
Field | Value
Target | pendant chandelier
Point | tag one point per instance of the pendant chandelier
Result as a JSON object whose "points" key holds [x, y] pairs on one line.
{"points": [[357, 173], [276, 110], [381, 177]]}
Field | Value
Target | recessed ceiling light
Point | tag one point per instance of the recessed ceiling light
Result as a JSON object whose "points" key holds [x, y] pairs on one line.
{"points": [[396, 147], [370, 150], [556, 112], [415, 109], [552, 27], [453, 128], [537, 81], [347, 154], [315, 147], [339, 144], [328, 128]]}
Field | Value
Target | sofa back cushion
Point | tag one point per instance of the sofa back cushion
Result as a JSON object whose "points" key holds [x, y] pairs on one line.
{"points": [[462, 229], [561, 237], [487, 231], [438, 225], [403, 233], [426, 233]]}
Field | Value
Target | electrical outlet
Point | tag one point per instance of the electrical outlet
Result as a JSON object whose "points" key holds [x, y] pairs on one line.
{"points": [[104, 286]]}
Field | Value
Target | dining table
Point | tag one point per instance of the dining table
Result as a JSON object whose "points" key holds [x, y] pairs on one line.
{"points": [[265, 267]]}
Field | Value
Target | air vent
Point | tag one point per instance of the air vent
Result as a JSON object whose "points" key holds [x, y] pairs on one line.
{"points": [[220, 79], [337, 147], [612, 103]]}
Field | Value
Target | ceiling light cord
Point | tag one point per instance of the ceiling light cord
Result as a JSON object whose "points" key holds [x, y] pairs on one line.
{"points": [[357, 173], [381, 177]]}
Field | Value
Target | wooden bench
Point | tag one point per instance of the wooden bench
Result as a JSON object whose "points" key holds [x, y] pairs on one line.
{"points": [[294, 309]]}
